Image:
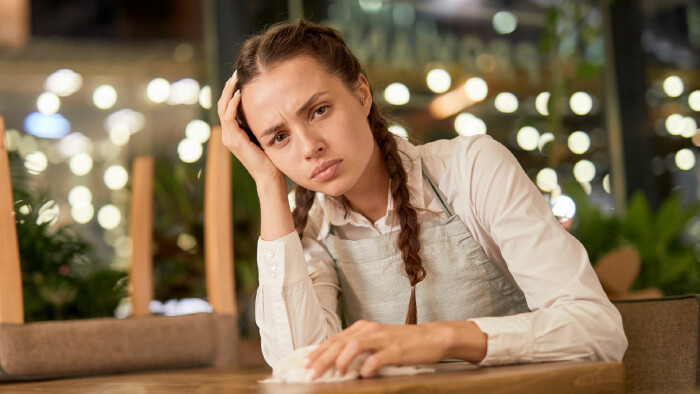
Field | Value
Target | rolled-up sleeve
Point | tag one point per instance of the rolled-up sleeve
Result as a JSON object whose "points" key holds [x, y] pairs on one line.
{"points": [[571, 318], [297, 298]]}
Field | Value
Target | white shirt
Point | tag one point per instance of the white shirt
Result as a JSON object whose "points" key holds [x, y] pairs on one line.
{"points": [[571, 318]]}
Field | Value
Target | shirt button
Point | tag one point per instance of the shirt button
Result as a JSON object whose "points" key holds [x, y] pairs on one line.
{"points": [[274, 275], [273, 267], [270, 253]]}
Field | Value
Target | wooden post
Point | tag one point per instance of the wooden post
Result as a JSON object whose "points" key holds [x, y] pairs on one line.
{"points": [[141, 234], [11, 302], [218, 229]]}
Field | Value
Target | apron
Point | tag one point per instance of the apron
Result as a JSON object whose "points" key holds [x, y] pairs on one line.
{"points": [[460, 282]]}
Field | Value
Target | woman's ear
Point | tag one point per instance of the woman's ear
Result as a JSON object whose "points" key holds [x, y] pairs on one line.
{"points": [[363, 93]]}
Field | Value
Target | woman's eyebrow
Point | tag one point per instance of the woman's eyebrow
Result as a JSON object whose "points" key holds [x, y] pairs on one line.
{"points": [[309, 102], [300, 111]]}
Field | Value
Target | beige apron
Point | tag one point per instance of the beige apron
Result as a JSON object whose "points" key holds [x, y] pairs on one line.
{"points": [[460, 283]]}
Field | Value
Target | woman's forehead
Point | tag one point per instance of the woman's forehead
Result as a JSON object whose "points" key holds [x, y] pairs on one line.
{"points": [[291, 83], [283, 89]]}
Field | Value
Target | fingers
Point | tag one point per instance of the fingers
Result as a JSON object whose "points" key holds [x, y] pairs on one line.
{"points": [[357, 326], [232, 134], [351, 350], [376, 361], [343, 348], [226, 94]]}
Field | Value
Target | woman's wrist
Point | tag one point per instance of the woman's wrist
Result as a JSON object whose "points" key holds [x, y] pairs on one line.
{"points": [[275, 213], [462, 340]]}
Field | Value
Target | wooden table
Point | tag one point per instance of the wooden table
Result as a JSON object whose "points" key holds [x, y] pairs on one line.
{"points": [[559, 377]]}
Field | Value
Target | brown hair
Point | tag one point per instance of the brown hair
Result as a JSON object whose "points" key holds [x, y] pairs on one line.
{"points": [[287, 40]]}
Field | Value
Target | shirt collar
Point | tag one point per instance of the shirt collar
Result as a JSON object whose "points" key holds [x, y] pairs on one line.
{"points": [[338, 213]]}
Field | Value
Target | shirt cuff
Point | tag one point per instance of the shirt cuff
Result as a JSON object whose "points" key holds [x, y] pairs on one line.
{"points": [[510, 340], [281, 262]]}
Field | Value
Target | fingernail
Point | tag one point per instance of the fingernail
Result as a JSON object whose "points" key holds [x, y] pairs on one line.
{"points": [[238, 92], [311, 375], [305, 363], [234, 74]]}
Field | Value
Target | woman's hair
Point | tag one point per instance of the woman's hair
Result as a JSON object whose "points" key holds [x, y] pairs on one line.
{"points": [[288, 40]]}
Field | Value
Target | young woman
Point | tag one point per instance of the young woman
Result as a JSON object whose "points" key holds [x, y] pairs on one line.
{"points": [[450, 237]]}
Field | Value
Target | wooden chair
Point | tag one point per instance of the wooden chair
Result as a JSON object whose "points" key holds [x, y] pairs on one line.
{"points": [[44, 350], [662, 356]]}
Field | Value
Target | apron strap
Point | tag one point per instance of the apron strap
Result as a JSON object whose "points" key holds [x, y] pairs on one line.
{"points": [[443, 200]]}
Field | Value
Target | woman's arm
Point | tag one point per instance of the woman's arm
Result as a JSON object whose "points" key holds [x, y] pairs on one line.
{"points": [[291, 309], [571, 319], [571, 316]]}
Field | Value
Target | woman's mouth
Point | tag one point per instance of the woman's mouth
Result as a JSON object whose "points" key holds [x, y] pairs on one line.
{"points": [[326, 170]]}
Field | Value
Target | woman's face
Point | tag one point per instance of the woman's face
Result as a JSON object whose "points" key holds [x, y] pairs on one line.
{"points": [[307, 120]]}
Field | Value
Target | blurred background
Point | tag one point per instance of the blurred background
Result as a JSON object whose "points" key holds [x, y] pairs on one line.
{"points": [[598, 101]]}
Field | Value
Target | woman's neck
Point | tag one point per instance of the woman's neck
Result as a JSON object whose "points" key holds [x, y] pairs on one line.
{"points": [[369, 195]]}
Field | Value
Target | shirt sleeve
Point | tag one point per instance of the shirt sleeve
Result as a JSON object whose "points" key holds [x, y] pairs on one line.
{"points": [[297, 297], [571, 318]]}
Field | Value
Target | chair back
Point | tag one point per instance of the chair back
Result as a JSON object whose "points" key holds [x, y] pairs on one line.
{"points": [[44, 350], [662, 355]]}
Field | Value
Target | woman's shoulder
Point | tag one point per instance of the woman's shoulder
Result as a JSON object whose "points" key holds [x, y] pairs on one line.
{"points": [[461, 150]]}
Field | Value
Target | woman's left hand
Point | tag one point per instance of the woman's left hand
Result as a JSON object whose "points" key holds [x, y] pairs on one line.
{"points": [[389, 344]]}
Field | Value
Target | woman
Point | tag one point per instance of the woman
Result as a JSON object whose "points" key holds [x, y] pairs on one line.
{"points": [[451, 234]]}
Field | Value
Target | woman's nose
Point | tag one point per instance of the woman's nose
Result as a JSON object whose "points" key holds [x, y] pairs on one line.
{"points": [[312, 144]]}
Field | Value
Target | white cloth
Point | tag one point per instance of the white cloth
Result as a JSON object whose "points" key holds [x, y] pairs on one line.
{"points": [[571, 318], [290, 370]]}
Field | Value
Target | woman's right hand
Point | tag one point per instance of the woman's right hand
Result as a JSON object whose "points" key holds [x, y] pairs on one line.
{"points": [[237, 141]]}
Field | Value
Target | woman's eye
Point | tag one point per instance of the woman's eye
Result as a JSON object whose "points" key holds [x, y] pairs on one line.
{"points": [[279, 138], [321, 110]]}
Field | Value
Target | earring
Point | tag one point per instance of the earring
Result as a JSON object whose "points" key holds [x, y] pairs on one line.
{"points": [[362, 100]]}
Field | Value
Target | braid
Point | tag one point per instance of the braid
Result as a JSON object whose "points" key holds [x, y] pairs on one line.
{"points": [[408, 241], [303, 200]]}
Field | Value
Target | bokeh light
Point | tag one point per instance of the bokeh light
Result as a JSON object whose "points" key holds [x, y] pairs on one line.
{"points": [[184, 91], [48, 213], [104, 96], [48, 103], [579, 142], [504, 22], [63, 82], [46, 126], [36, 162], [115, 177], [584, 171], [528, 138], [581, 103], [82, 212], [694, 100], [438, 80], [399, 130], [685, 159], [606, 183], [109, 217], [78, 195], [476, 88], [158, 90], [546, 179], [468, 124], [205, 97], [198, 130], [189, 150], [397, 94], [541, 102], [506, 102], [673, 86], [80, 164], [564, 207]]}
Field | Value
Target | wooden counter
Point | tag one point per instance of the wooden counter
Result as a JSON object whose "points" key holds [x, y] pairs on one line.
{"points": [[559, 377]]}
